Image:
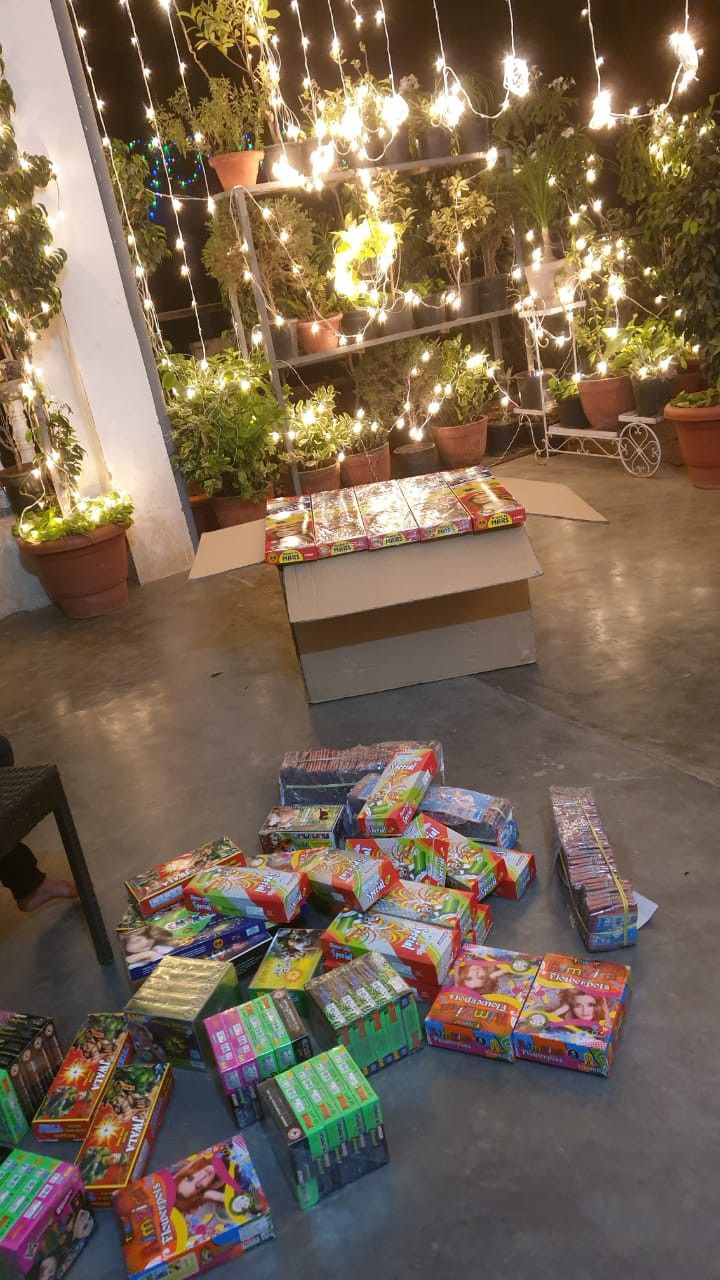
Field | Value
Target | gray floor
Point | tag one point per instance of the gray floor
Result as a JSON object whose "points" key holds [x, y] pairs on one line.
{"points": [[168, 722]]}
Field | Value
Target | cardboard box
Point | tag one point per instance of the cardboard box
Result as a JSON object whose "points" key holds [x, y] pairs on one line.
{"points": [[196, 1214], [179, 932], [101, 1045], [473, 866], [46, 1218], [339, 529], [117, 1146], [473, 813], [421, 860], [301, 828], [162, 888], [481, 1002], [348, 880], [519, 874], [294, 957], [166, 1016], [421, 953], [574, 1014], [289, 531], [392, 804], [485, 498], [456, 909], [13, 1121], [249, 891]]}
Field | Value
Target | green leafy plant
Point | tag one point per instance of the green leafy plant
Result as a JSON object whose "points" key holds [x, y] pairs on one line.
{"points": [[459, 212], [466, 372], [47, 524], [708, 399], [365, 252], [647, 349], [563, 388], [228, 118], [317, 434], [233, 28], [130, 175], [360, 434]]}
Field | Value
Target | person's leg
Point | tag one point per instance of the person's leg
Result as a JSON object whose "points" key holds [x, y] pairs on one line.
{"points": [[19, 871], [6, 752]]}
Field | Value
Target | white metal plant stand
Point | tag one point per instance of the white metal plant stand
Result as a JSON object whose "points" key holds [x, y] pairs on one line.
{"points": [[635, 443]]}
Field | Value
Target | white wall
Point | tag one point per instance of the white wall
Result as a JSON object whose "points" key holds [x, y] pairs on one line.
{"points": [[97, 366]]}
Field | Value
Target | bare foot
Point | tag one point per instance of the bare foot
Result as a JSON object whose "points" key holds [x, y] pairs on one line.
{"points": [[48, 891]]}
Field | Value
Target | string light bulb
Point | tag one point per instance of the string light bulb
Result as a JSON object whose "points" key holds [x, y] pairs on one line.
{"points": [[602, 114], [516, 76]]}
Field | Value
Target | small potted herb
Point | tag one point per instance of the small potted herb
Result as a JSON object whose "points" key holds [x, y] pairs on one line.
{"points": [[227, 126], [365, 455], [466, 380], [317, 436], [322, 332], [650, 352], [429, 301], [566, 395], [81, 557], [696, 415], [459, 212]]}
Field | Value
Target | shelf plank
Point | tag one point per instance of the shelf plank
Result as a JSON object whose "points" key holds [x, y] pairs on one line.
{"points": [[353, 348], [338, 176]]}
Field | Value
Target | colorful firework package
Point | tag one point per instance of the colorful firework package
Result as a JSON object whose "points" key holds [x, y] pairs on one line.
{"points": [[421, 953], [456, 909], [387, 518], [101, 1045], [474, 814], [305, 827], [327, 774], [295, 957], [166, 1016], [399, 793], [253, 1042], [339, 529], [161, 888], [347, 879], [603, 904], [324, 1122], [194, 1215], [519, 873], [117, 1147], [180, 932], [45, 1217], [434, 505], [473, 866], [258, 892], [289, 531], [421, 860], [30, 1056], [574, 1014], [481, 1002], [366, 1006], [485, 498]]}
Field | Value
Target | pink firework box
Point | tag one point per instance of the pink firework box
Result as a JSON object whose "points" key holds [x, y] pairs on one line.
{"points": [[45, 1225], [520, 872], [162, 887], [489, 503], [289, 531], [398, 795], [455, 909], [339, 529], [481, 1002], [574, 1014], [353, 882], [435, 507], [387, 518], [249, 891], [421, 953], [422, 860], [235, 1057]]}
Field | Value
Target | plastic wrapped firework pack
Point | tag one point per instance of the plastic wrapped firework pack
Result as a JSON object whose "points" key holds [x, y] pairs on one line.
{"points": [[486, 500], [289, 531], [387, 518], [339, 529], [435, 507], [602, 902], [325, 775]]}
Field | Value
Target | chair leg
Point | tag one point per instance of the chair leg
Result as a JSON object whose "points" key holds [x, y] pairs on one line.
{"points": [[81, 876]]}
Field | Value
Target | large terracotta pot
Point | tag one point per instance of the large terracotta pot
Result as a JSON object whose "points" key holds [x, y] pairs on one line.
{"points": [[320, 479], [604, 399], [699, 437], [688, 380], [85, 574], [234, 510], [462, 445], [237, 168], [366, 467], [315, 336]]}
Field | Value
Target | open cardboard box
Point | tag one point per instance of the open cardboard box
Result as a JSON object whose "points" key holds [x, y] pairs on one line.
{"points": [[407, 615]]}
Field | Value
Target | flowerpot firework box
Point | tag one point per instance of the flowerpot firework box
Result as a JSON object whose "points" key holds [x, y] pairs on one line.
{"points": [[603, 903], [348, 880], [45, 1218], [249, 891], [481, 1002], [421, 860], [422, 953], [327, 774], [166, 1016], [387, 518], [180, 932], [324, 1122], [295, 956], [436, 509], [101, 1045], [399, 792], [519, 873], [455, 909], [574, 1014], [117, 1147], [301, 828], [196, 1214], [161, 888], [289, 531], [472, 813], [486, 500], [369, 1008], [253, 1042], [339, 529]]}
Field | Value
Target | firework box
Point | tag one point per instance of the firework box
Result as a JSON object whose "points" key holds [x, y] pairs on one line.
{"points": [[473, 866], [179, 932], [481, 1002], [294, 957], [421, 953], [421, 860], [366, 1006], [290, 531], [326, 775], [603, 904], [455, 909], [161, 888], [117, 1146], [39, 1058], [253, 1042], [13, 1121], [398, 794], [574, 1014], [472, 813], [387, 518], [305, 827], [435, 507], [166, 1016], [485, 499], [101, 1045], [347, 879], [249, 891], [339, 529], [194, 1215], [324, 1123], [519, 873], [45, 1218]]}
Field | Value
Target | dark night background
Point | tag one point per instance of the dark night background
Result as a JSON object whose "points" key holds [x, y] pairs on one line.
{"points": [[632, 35]]}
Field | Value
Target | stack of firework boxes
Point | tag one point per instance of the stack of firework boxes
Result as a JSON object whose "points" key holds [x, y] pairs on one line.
{"points": [[603, 904], [45, 1218], [30, 1054]]}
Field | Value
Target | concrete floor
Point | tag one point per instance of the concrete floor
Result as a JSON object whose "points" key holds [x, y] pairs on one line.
{"points": [[168, 721]]}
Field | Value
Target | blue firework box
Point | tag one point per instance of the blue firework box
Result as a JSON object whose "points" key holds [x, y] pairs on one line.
{"points": [[473, 814], [183, 932]]}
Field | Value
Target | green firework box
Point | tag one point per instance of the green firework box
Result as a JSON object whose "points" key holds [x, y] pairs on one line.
{"points": [[399, 792], [254, 1042], [117, 1147], [481, 1002], [13, 1121], [30, 1053], [456, 909], [259, 892], [101, 1045], [421, 953], [162, 887], [45, 1217], [367, 1007], [166, 1016], [414, 859], [295, 956], [179, 932], [574, 1014], [303, 827]]}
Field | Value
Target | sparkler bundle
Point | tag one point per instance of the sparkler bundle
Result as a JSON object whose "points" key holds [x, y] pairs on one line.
{"points": [[603, 904]]}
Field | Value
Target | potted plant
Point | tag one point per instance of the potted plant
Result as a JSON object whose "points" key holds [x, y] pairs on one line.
{"points": [[130, 176], [697, 418], [495, 238], [365, 455], [459, 212], [322, 331], [317, 438], [226, 125], [467, 384], [80, 558], [604, 396], [429, 301], [472, 133], [650, 352], [429, 137], [566, 395]]}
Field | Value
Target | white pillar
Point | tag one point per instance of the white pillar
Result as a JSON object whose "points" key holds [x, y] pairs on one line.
{"points": [[97, 366]]}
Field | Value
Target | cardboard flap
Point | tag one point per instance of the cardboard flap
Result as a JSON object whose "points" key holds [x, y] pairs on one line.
{"points": [[233, 548], [399, 575]]}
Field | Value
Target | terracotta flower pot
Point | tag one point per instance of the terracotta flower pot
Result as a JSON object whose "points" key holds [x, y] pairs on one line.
{"points": [[688, 380], [85, 574], [315, 336], [366, 467], [237, 168], [604, 399], [320, 479], [234, 510], [699, 437], [462, 445], [416, 459]]}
